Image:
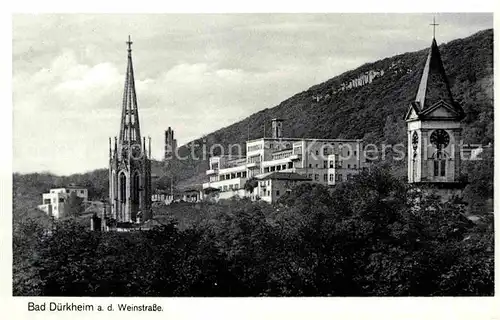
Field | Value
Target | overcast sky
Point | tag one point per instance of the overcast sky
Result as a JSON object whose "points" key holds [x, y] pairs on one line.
{"points": [[195, 73]]}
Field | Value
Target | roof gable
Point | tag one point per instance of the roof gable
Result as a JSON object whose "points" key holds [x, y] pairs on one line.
{"points": [[441, 110], [413, 112]]}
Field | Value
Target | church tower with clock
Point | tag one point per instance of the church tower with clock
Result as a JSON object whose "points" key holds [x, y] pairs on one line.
{"points": [[434, 130], [129, 163]]}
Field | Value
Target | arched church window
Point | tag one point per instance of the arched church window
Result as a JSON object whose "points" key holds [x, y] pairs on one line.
{"points": [[123, 187], [440, 139], [440, 164], [136, 186]]}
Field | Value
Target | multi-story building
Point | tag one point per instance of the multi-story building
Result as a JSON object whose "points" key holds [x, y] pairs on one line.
{"points": [[54, 203], [271, 186], [325, 161]]}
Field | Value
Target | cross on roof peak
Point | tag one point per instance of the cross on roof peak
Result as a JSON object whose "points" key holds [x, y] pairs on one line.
{"points": [[434, 24], [129, 43]]}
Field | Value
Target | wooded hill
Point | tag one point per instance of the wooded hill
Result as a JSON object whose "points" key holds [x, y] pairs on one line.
{"points": [[374, 111]]}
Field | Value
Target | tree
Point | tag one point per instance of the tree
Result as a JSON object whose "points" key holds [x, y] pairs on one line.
{"points": [[373, 235], [479, 191], [251, 184], [27, 241], [74, 205]]}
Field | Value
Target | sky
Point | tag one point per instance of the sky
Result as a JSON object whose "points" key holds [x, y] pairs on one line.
{"points": [[194, 72]]}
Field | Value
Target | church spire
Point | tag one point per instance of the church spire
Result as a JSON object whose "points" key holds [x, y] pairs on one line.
{"points": [[130, 133], [434, 85], [129, 167], [434, 24]]}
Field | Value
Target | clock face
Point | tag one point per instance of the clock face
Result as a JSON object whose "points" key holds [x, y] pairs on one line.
{"points": [[414, 140], [440, 139]]}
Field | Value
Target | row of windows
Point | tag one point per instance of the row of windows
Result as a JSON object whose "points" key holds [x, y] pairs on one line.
{"points": [[329, 177], [265, 193], [298, 150], [243, 174], [282, 155], [268, 193], [233, 175], [265, 183], [338, 165], [280, 145], [254, 159], [278, 167], [68, 191], [255, 147], [329, 151], [230, 187]]}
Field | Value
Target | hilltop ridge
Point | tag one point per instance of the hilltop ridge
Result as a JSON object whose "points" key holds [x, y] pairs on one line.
{"points": [[369, 103]]}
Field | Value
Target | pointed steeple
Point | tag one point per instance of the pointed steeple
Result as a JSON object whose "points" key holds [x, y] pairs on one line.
{"points": [[129, 166], [434, 86], [130, 132]]}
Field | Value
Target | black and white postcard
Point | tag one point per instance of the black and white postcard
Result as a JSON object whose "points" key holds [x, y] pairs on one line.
{"points": [[331, 156]]}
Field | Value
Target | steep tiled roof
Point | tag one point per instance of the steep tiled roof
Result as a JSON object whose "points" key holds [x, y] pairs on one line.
{"points": [[434, 88], [434, 84]]}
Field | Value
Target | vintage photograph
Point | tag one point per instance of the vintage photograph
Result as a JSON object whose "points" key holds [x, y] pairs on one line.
{"points": [[253, 155]]}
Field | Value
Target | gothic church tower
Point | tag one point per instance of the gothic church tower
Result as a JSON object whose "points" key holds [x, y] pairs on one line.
{"points": [[129, 164], [433, 127]]}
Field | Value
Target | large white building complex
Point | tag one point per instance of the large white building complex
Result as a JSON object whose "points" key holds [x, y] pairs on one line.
{"points": [[54, 202], [294, 160]]}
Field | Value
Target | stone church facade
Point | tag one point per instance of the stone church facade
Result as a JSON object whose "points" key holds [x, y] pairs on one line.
{"points": [[129, 160]]}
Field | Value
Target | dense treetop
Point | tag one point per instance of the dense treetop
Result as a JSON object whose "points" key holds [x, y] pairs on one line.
{"points": [[374, 235]]}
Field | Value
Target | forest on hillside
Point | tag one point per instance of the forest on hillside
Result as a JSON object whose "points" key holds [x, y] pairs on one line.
{"points": [[367, 237], [375, 111]]}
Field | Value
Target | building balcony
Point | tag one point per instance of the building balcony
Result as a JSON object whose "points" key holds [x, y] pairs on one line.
{"points": [[281, 154], [253, 165], [212, 172], [240, 181], [235, 162], [294, 157]]}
